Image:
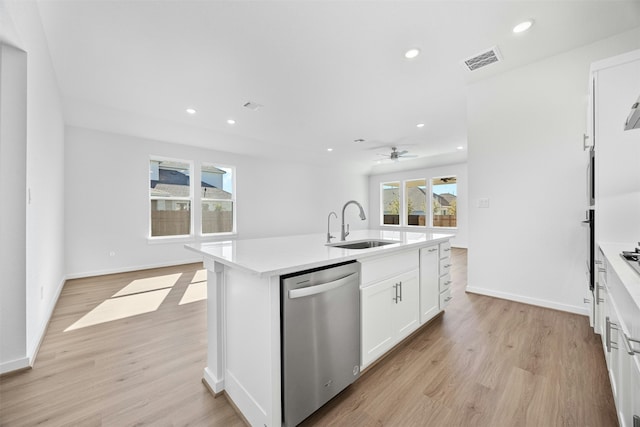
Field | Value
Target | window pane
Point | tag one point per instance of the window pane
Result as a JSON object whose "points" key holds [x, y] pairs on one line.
{"points": [[391, 202], [445, 201], [217, 216], [170, 217], [170, 193], [416, 194], [216, 192]]}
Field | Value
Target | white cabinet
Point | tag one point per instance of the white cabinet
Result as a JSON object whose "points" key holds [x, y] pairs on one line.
{"points": [[430, 283], [390, 312], [445, 274], [620, 333]]}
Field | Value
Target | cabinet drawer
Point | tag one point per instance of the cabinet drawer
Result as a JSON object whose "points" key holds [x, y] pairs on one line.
{"points": [[445, 266], [380, 268], [445, 298], [445, 249], [445, 282]]}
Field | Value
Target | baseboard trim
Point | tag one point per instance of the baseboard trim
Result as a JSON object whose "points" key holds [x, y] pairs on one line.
{"points": [[528, 300], [14, 366], [34, 348], [130, 269]]}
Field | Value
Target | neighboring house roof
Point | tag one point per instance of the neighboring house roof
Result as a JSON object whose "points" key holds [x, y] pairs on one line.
{"points": [[176, 184], [450, 198]]}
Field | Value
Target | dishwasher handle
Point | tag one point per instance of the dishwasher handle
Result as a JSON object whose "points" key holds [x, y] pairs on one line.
{"points": [[317, 289]]}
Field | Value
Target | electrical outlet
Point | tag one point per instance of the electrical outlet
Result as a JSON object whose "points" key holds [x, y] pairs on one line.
{"points": [[483, 202]]}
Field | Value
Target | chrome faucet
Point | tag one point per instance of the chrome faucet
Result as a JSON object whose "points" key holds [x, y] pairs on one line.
{"points": [[329, 236], [344, 233]]}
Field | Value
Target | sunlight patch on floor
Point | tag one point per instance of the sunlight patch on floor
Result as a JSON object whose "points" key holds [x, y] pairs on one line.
{"points": [[149, 284], [195, 292], [200, 276], [122, 307]]}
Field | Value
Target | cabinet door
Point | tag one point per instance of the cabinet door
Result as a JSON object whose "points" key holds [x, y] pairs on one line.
{"points": [[406, 317], [635, 388], [429, 283], [377, 304]]}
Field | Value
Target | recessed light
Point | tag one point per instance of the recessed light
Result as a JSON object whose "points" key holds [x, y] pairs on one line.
{"points": [[420, 125], [460, 147], [412, 53], [191, 111], [231, 122], [329, 149], [523, 26]]}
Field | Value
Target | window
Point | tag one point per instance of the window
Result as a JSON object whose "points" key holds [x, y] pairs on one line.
{"points": [[419, 210], [416, 201], [172, 186], [217, 195], [444, 203], [390, 203], [170, 196]]}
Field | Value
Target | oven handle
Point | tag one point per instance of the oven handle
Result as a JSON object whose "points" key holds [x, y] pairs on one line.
{"points": [[317, 289]]}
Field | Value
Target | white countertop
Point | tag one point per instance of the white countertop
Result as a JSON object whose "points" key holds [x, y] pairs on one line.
{"points": [[276, 256], [628, 276]]}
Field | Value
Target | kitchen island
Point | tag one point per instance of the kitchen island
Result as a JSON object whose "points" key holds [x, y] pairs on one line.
{"points": [[243, 304]]}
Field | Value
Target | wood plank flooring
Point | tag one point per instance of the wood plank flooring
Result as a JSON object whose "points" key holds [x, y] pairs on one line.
{"points": [[485, 362]]}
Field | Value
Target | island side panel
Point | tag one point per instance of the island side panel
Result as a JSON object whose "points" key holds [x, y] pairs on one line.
{"points": [[214, 371], [252, 339]]}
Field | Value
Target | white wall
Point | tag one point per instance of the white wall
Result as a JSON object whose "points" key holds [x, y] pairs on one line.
{"points": [[459, 170], [525, 154], [13, 227], [107, 207], [44, 175]]}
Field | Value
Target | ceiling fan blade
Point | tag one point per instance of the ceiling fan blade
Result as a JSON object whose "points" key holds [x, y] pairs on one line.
{"points": [[406, 156], [402, 153]]}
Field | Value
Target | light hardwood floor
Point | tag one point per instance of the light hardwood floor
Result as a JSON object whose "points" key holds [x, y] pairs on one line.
{"points": [[485, 362]]}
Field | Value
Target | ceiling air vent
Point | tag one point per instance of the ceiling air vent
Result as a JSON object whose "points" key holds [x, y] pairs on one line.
{"points": [[483, 59], [253, 106]]}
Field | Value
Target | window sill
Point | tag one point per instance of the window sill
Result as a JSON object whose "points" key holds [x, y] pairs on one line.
{"points": [[190, 239]]}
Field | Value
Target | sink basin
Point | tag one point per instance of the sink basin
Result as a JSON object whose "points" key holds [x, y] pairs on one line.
{"points": [[362, 244]]}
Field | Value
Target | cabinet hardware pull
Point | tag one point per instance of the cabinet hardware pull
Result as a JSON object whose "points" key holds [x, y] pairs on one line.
{"points": [[586, 300], [400, 290], [607, 334], [584, 141], [433, 249], [447, 265], [627, 343], [395, 299], [448, 299], [447, 250], [602, 270], [598, 262]]}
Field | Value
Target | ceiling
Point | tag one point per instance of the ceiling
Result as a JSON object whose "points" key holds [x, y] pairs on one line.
{"points": [[326, 72]]}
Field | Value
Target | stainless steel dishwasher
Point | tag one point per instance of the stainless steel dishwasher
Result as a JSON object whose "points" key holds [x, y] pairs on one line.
{"points": [[320, 322]]}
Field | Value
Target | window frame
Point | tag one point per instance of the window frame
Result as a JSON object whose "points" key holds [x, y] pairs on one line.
{"points": [[431, 214], [233, 200], [403, 209], [190, 199], [195, 200], [401, 203]]}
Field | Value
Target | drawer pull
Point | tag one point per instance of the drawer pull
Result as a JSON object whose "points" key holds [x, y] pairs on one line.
{"points": [[447, 299], [447, 250], [433, 249], [628, 344]]}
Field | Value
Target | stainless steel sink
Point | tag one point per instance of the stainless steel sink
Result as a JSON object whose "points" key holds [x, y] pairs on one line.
{"points": [[362, 244]]}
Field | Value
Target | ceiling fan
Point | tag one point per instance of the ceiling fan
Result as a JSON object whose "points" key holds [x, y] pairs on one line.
{"points": [[396, 155]]}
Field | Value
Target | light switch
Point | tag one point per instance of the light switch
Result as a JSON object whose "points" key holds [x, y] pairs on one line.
{"points": [[483, 202]]}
